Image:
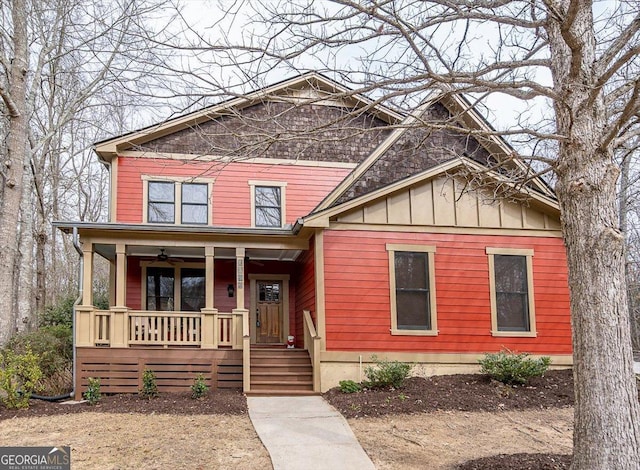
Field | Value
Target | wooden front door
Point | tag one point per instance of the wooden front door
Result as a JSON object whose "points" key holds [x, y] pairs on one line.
{"points": [[268, 312]]}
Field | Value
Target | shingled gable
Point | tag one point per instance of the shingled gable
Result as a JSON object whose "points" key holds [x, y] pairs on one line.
{"points": [[426, 140], [297, 118]]}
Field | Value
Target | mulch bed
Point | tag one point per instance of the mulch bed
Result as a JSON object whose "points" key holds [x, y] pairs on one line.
{"points": [[219, 402], [464, 392], [519, 461]]}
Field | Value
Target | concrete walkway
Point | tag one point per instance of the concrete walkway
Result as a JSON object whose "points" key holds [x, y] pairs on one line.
{"points": [[306, 433], [636, 367]]}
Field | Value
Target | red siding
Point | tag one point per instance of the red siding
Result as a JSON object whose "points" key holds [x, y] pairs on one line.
{"points": [[134, 287], [305, 291], [306, 186], [357, 294]]}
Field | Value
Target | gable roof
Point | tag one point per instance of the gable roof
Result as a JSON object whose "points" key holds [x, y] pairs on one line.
{"points": [[467, 117], [292, 88]]}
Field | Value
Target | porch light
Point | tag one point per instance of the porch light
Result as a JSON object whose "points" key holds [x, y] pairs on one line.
{"points": [[230, 290]]}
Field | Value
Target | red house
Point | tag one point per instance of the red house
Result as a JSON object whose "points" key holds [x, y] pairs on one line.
{"points": [[304, 210]]}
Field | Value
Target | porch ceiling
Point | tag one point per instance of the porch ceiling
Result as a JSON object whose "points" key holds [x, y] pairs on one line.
{"points": [[190, 253]]}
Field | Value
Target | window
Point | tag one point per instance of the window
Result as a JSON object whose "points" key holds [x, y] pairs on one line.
{"points": [[412, 289], [161, 206], [178, 201], [192, 289], [195, 203], [160, 283], [512, 306], [267, 204], [268, 207]]}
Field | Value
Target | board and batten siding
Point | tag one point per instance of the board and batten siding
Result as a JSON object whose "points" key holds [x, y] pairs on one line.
{"points": [[357, 297], [444, 201], [231, 207]]}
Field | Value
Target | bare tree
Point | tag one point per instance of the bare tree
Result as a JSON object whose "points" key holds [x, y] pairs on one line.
{"points": [[574, 64], [60, 62]]}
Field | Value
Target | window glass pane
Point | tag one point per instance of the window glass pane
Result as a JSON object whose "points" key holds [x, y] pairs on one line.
{"points": [[160, 289], [268, 196], [513, 312], [192, 214], [412, 291], [413, 308], [161, 191], [511, 273], [411, 270], [512, 297], [268, 217], [268, 292], [195, 193], [160, 212], [192, 291]]}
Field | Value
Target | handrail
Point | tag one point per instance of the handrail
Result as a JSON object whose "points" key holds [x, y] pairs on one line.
{"points": [[312, 344]]}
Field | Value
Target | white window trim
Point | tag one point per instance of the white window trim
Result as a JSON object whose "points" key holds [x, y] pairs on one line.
{"points": [[283, 200], [177, 279], [392, 248], [528, 254], [177, 204]]}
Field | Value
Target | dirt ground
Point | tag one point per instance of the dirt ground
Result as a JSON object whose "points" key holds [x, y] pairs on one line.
{"points": [[446, 439], [434, 423], [109, 441]]}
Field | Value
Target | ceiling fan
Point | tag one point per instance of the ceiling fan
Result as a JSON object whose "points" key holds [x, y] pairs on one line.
{"points": [[165, 258]]}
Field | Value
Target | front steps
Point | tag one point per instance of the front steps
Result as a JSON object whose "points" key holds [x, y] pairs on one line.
{"points": [[281, 372]]}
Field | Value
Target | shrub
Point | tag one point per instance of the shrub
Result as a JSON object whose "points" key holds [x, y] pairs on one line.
{"points": [[386, 373], [92, 395], [149, 386], [19, 377], [513, 368], [349, 386], [199, 388], [60, 313], [53, 345]]}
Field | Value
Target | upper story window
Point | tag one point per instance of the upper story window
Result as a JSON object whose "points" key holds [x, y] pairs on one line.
{"points": [[412, 288], [161, 206], [511, 283], [267, 204], [195, 197], [183, 201]]}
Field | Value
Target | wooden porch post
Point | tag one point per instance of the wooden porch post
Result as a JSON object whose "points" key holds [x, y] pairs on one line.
{"points": [[85, 319], [240, 253], [210, 326], [119, 317], [121, 274], [240, 309], [87, 274]]}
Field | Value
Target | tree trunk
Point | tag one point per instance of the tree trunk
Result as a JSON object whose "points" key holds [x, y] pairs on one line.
{"points": [[17, 156], [606, 409], [23, 271]]}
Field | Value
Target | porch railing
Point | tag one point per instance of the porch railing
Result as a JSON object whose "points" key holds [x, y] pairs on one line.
{"points": [[164, 328], [121, 327]]}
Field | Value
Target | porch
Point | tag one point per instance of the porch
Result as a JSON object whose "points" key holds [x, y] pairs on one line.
{"points": [[179, 346], [183, 303]]}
